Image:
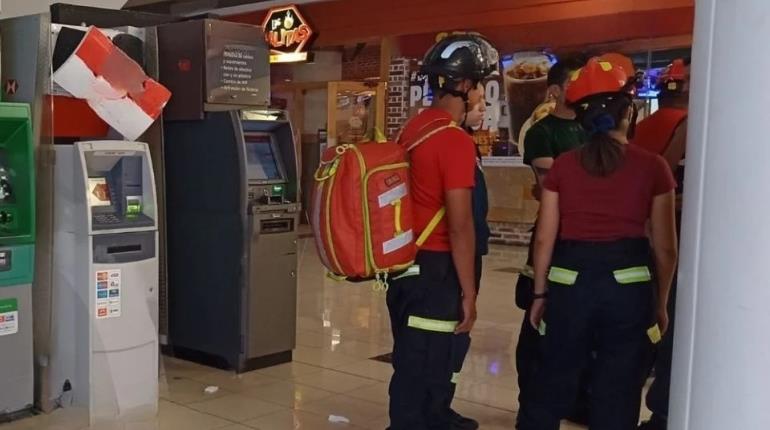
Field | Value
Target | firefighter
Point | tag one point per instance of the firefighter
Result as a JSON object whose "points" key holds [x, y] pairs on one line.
{"points": [[593, 288], [548, 138], [433, 305], [665, 133]]}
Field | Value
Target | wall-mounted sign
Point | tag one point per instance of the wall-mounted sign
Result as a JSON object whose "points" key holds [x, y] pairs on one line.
{"points": [[287, 33]]}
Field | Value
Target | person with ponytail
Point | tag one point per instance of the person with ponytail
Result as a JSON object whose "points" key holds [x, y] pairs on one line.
{"points": [[592, 261]]}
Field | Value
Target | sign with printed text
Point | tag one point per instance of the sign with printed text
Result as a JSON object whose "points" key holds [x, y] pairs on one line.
{"points": [[108, 293], [9, 317], [492, 132], [288, 34]]}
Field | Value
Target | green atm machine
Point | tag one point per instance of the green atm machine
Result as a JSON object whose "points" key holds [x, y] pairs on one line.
{"points": [[17, 254]]}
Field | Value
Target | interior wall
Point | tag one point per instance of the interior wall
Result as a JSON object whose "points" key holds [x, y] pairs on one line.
{"points": [[326, 67]]}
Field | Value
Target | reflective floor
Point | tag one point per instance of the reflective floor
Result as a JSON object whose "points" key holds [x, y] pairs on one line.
{"points": [[332, 383]]}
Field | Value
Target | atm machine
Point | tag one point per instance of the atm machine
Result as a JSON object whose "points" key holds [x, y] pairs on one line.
{"points": [[17, 248], [32, 48], [231, 198], [105, 261]]}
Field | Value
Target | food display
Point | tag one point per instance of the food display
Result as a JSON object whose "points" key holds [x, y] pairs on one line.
{"points": [[526, 86]]}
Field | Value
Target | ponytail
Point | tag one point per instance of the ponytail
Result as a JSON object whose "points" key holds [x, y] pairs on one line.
{"points": [[602, 155]]}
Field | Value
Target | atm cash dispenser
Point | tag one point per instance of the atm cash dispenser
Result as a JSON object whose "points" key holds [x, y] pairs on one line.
{"points": [[105, 301], [231, 199], [17, 239]]}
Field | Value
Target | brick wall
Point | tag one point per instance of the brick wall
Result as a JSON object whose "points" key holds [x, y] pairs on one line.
{"points": [[512, 234], [398, 95], [365, 65]]}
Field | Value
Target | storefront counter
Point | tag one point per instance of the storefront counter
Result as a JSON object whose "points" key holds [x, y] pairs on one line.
{"points": [[512, 207]]}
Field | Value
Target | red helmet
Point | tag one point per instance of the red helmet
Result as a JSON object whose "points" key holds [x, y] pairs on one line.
{"points": [[596, 77], [673, 77]]}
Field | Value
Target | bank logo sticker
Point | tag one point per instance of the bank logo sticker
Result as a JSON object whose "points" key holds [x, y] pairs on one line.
{"points": [[9, 317], [108, 297]]}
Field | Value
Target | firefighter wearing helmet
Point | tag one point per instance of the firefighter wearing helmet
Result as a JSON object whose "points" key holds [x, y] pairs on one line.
{"points": [[433, 305], [665, 133], [593, 265]]}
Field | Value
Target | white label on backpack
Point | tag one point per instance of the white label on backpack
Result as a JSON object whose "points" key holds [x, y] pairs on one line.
{"points": [[397, 242], [392, 195]]}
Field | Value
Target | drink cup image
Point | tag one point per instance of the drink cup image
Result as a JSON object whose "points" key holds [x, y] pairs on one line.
{"points": [[526, 85]]}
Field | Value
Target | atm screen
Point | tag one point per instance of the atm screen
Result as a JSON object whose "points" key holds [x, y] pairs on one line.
{"points": [[98, 192], [261, 160]]}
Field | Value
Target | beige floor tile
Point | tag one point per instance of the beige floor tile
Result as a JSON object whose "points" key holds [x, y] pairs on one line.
{"points": [[185, 391], [380, 423], [233, 382], [176, 417], [336, 382], [170, 366], [288, 394], [368, 369], [490, 395], [377, 393], [60, 419], [289, 370], [236, 407], [358, 412], [321, 357], [296, 420], [237, 427]]}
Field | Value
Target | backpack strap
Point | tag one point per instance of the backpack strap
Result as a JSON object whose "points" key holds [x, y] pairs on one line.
{"points": [[438, 125], [430, 227], [430, 134]]}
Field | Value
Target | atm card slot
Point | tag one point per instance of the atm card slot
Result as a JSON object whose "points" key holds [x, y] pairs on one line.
{"points": [[273, 226], [123, 249]]}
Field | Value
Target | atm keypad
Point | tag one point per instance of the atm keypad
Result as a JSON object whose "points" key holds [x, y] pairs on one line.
{"points": [[106, 219]]}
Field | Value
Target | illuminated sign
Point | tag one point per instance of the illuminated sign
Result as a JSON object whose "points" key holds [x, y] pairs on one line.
{"points": [[287, 33]]}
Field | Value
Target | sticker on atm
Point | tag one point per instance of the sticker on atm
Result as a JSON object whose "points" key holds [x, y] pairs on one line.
{"points": [[108, 297], [9, 317]]}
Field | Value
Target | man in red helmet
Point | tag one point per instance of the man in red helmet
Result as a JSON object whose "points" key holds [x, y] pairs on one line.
{"points": [[665, 133]]}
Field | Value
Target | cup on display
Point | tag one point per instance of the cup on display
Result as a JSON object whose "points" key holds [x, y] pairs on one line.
{"points": [[526, 83]]}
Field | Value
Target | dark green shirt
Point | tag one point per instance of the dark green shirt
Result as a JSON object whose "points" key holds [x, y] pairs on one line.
{"points": [[551, 137]]}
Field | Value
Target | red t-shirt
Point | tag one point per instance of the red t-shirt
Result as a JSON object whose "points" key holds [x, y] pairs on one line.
{"points": [[654, 133], [443, 162], [610, 208]]}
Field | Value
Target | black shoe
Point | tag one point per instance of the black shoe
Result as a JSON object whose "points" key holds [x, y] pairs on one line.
{"points": [[655, 423], [460, 422]]}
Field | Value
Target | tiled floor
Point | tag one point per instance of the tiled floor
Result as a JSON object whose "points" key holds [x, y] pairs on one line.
{"points": [[332, 383]]}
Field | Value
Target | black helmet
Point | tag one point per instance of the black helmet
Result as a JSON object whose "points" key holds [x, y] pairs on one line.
{"points": [[457, 57]]}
